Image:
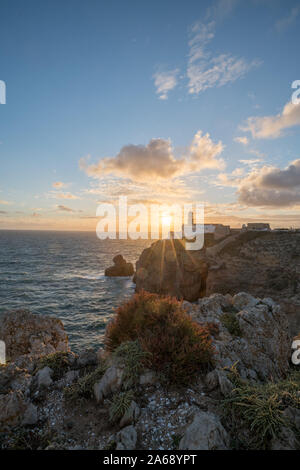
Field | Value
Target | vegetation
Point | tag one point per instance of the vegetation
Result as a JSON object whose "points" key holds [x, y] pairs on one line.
{"points": [[259, 407], [83, 388], [120, 404], [230, 321], [133, 358], [176, 346], [58, 362]]}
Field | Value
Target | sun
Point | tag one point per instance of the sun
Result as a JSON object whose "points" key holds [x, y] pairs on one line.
{"points": [[166, 220]]}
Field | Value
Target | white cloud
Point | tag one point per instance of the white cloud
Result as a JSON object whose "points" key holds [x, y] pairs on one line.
{"points": [[56, 195], [284, 23], [270, 127], [156, 161], [242, 140], [164, 82], [205, 70]]}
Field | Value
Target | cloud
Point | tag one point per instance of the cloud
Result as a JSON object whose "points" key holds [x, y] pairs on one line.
{"points": [[205, 70], [64, 208], [284, 23], [164, 82], [242, 140], [156, 161], [6, 203], [270, 127], [271, 186], [3, 212], [56, 195], [59, 185]]}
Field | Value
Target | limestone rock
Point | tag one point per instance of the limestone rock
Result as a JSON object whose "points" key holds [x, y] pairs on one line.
{"points": [[43, 377], [148, 378], [120, 267], [205, 433], [110, 383], [263, 349], [25, 333], [30, 415], [87, 358], [126, 438]]}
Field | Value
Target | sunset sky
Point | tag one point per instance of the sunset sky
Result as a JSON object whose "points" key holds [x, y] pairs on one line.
{"points": [[161, 101]]}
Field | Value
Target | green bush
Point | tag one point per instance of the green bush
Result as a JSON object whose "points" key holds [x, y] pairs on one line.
{"points": [[120, 404], [83, 388], [58, 362], [260, 407], [177, 347]]}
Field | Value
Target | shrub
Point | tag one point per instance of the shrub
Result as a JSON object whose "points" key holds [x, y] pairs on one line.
{"points": [[133, 358], [178, 347], [83, 388], [260, 407], [58, 362], [119, 405]]}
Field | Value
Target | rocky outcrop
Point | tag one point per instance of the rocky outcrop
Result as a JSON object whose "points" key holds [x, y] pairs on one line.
{"points": [[253, 336], [265, 264], [120, 267], [167, 268], [27, 334]]}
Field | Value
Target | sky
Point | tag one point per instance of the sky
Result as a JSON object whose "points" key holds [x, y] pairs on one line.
{"points": [[162, 101]]}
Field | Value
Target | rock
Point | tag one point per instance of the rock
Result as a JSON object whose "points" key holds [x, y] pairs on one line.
{"points": [[226, 386], [212, 380], [120, 268], [43, 377], [285, 441], [205, 433], [25, 333], [131, 414], [242, 299], [12, 409], [167, 268], [30, 415], [262, 350], [126, 438], [87, 358], [110, 383], [148, 378]]}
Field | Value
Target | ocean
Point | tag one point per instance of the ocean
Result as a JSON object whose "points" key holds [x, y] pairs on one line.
{"points": [[61, 274]]}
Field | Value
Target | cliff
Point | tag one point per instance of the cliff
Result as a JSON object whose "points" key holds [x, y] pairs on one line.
{"points": [[265, 264]]}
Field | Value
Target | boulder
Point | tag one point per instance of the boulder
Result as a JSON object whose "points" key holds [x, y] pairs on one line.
{"points": [[120, 267], [27, 334], [126, 439], [110, 383], [205, 433], [43, 377]]}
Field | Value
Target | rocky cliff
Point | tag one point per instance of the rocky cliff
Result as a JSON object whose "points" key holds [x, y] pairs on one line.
{"points": [[265, 264]]}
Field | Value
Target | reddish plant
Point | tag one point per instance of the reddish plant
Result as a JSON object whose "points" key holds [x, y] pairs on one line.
{"points": [[179, 347]]}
